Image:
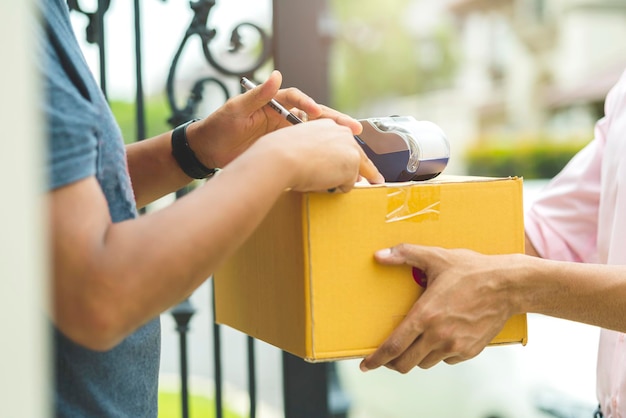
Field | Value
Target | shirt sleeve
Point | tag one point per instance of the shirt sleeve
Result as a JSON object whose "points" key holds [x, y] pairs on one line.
{"points": [[70, 118], [562, 224]]}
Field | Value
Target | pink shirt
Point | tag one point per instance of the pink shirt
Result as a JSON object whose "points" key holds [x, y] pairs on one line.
{"points": [[577, 218]]}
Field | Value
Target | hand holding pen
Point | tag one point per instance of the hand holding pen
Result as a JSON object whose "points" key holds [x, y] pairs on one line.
{"points": [[289, 116], [367, 167]]}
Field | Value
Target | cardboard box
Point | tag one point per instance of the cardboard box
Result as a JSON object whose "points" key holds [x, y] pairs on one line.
{"points": [[307, 282]]}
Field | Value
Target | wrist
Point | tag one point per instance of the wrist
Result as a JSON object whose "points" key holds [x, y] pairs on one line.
{"points": [[184, 155], [197, 139], [524, 283], [270, 148]]}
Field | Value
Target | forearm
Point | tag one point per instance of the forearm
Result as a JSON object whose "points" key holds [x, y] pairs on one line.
{"points": [[590, 293], [153, 170], [130, 272], [594, 294], [470, 296], [111, 278], [530, 248]]}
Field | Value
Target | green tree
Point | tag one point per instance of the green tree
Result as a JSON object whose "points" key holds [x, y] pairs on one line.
{"points": [[376, 54]]}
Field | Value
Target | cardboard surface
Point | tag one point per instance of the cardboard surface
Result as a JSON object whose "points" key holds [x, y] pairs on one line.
{"points": [[307, 282]]}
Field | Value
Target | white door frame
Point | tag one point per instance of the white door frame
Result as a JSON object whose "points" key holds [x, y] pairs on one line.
{"points": [[24, 364]]}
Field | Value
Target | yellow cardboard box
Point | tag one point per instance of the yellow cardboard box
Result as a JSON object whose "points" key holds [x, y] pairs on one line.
{"points": [[306, 281]]}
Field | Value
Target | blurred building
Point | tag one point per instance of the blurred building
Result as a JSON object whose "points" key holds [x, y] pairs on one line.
{"points": [[532, 65], [526, 68]]}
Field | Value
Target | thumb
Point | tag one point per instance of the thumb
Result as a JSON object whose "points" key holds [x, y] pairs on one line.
{"points": [[413, 255], [261, 95]]}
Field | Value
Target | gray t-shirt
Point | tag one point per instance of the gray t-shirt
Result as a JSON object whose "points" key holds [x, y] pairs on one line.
{"points": [[84, 140]]}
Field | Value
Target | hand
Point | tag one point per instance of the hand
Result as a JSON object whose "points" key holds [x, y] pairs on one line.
{"points": [[317, 156], [464, 306], [243, 119]]}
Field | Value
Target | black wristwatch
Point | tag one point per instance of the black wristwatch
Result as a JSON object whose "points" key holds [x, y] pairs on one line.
{"points": [[185, 156]]}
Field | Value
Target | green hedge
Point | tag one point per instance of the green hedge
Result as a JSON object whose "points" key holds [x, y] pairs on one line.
{"points": [[157, 112], [536, 159]]}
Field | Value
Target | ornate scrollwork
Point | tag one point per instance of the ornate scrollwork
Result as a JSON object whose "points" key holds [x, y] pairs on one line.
{"points": [[93, 30], [198, 27]]}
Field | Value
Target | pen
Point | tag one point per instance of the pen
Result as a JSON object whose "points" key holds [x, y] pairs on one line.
{"points": [[291, 118]]}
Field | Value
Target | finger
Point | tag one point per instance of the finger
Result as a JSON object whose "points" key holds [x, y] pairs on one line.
{"points": [[432, 359], [346, 187], [411, 254], [408, 360], [390, 256], [301, 114], [395, 346], [423, 354], [454, 360], [259, 96], [341, 119], [294, 98], [368, 170]]}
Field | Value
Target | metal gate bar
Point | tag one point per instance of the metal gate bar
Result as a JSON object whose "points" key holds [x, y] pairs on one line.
{"points": [[305, 386]]}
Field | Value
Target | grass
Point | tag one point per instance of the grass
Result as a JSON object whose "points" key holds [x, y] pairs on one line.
{"points": [[199, 406], [156, 111]]}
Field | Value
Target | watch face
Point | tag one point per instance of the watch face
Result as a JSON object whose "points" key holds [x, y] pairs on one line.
{"points": [[404, 149]]}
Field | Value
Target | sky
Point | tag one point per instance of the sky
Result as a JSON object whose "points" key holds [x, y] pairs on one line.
{"points": [[164, 24]]}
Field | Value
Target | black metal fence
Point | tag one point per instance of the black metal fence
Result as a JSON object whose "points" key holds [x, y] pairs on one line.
{"points": [[309, 390]]}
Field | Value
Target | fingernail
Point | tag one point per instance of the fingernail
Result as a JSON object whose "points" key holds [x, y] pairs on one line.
{"points": [[386, 252], [363, 368]]}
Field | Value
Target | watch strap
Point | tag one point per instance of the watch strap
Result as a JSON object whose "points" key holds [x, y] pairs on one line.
{"points": [[184, 155]]}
